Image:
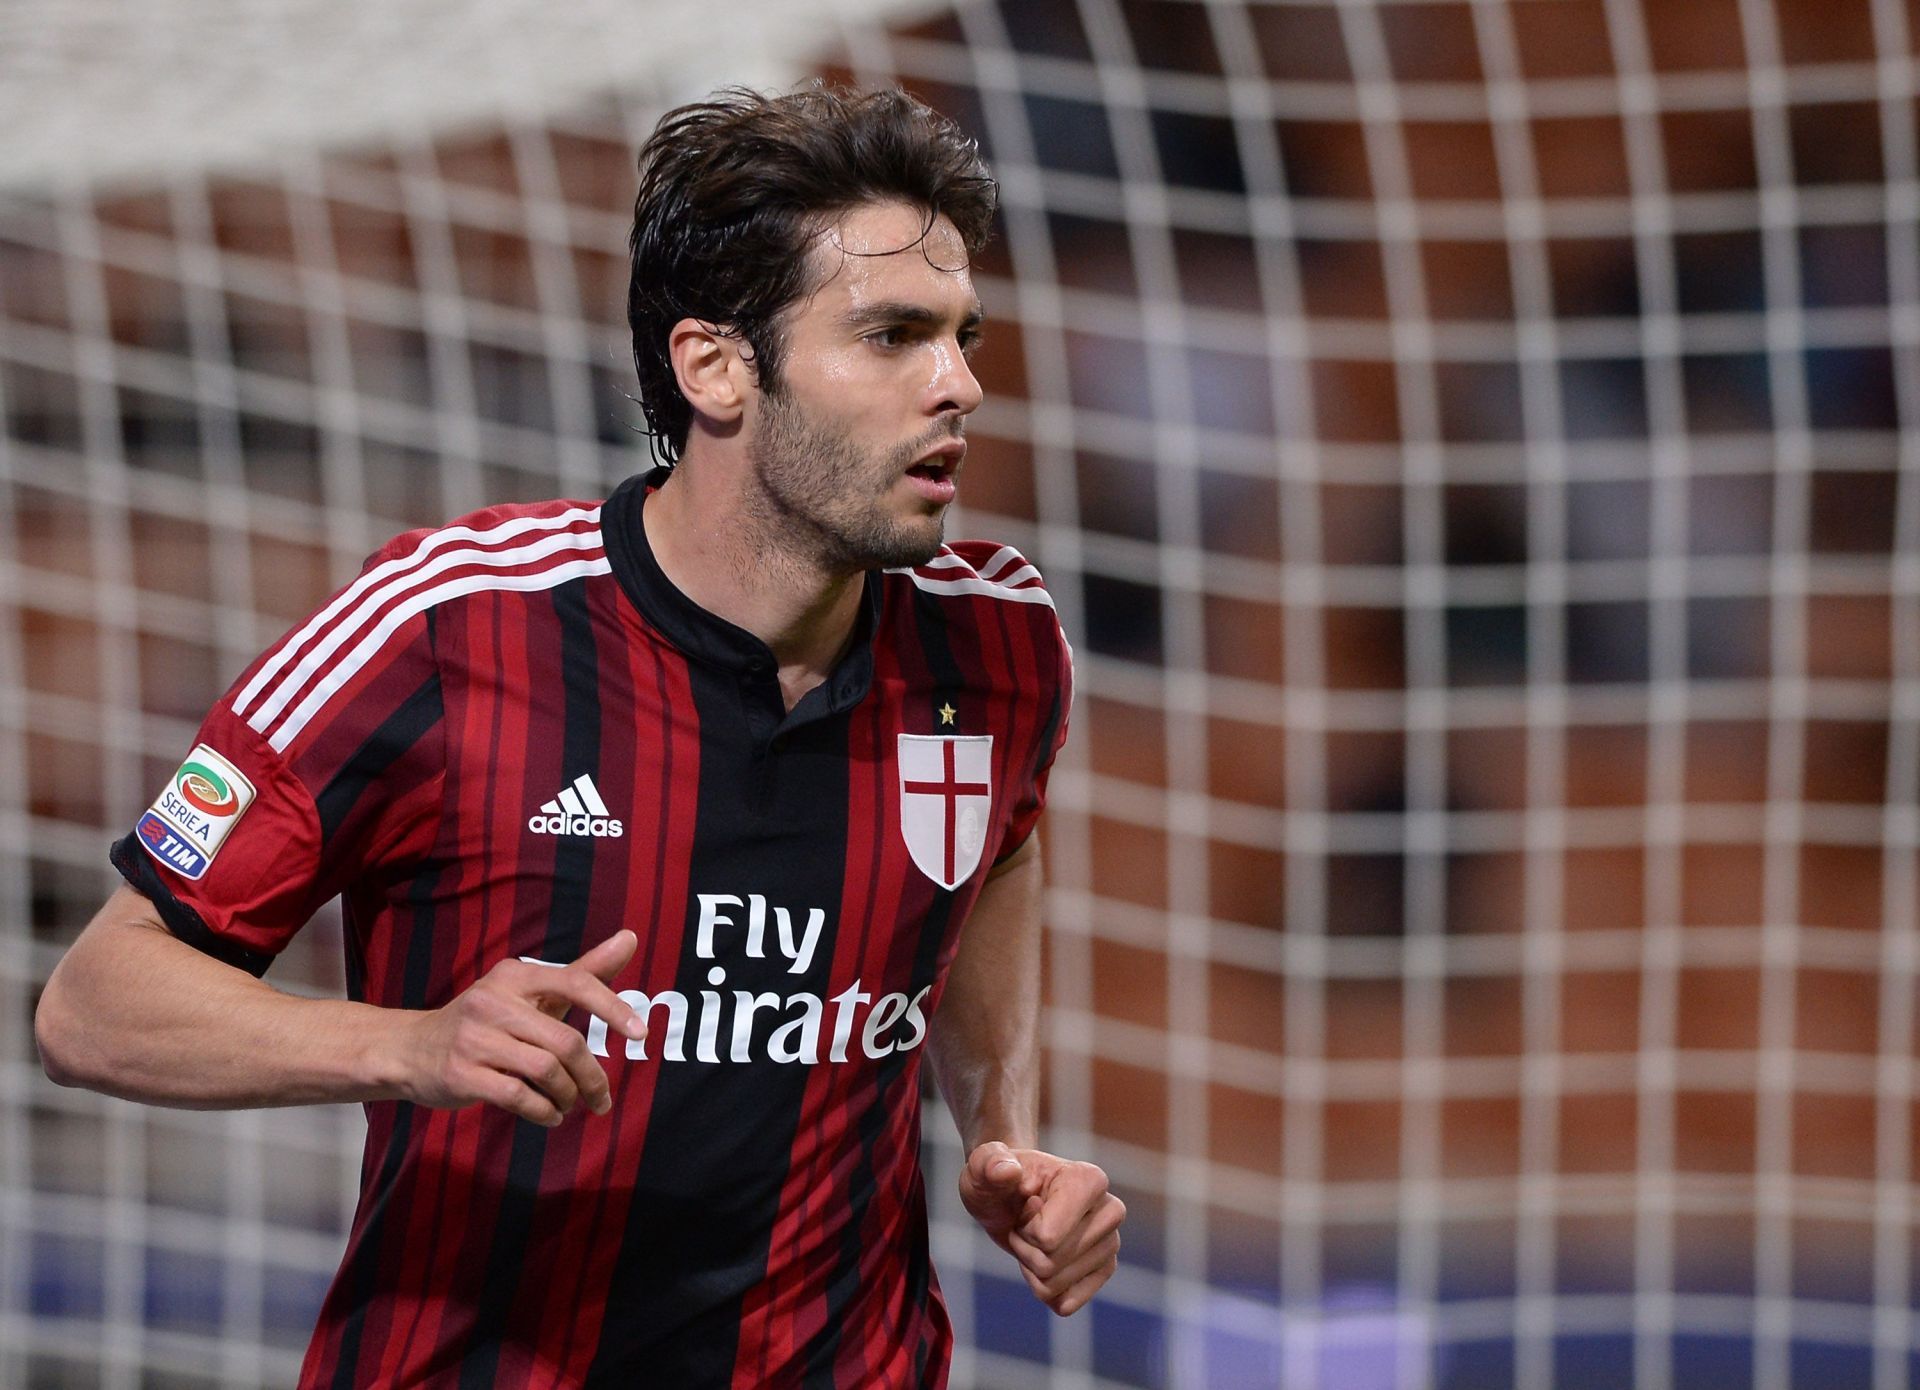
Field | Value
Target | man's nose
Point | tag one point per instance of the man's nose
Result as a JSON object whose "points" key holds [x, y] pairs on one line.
{"points": [[956, 387]]}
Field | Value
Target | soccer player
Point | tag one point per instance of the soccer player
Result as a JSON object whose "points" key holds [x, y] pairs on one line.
{"points": [[671, 831]]}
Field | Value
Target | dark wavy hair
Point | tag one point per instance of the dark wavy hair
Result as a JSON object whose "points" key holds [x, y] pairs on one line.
{"points": [[733, 193]]}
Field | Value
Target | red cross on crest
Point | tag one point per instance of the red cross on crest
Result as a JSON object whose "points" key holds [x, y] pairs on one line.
{"points": [[946, 794]]}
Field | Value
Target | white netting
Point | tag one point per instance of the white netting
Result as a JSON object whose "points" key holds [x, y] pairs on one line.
{"points": [[1466, 443], [94, 92]]}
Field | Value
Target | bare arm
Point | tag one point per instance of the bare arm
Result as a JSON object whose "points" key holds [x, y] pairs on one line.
{"points": [[985, 1041], [133, 1011], [1055, 1216]]}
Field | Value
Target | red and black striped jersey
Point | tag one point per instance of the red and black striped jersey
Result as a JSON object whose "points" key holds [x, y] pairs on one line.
{"points": [[512, 737]]}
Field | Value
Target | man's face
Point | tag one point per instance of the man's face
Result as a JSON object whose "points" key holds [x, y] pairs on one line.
{"points": [[855, 446]]}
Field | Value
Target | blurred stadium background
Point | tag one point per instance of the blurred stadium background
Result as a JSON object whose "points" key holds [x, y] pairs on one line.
{"points": [[1475, 448]]}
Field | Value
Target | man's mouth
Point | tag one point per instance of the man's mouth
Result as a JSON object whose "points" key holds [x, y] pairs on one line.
{"points": [[933, 474], [942, 463]]}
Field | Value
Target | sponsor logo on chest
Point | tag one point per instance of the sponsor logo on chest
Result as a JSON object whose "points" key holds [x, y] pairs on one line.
{"points": [[727, 1024], [195, 813], [946, 799]]}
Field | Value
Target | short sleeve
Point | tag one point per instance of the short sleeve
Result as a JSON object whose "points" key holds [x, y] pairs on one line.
{"points": [[320, 766], [1057, 694]]}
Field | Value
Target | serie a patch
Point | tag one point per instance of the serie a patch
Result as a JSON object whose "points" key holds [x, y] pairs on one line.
{"points": [[196, 812]]}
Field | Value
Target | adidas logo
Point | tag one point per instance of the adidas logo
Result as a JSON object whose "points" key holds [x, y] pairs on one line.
{"points": [[578, 810]]}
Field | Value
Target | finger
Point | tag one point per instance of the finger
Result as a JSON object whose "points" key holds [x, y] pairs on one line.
{"points": [[571, 986], [1064, 1275], [611, 956], [994, 1168], [1047, 1263], [1076, 1190], [512, 1094], [585, 1077], [534, 1065], [1099, 1221], [1078, 1296]]}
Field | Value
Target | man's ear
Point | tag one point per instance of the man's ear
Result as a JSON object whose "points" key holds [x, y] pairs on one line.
{"points": [[708, 364]]}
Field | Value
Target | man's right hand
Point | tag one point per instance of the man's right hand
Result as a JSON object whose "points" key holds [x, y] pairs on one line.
{"points": [[503, 1042]]}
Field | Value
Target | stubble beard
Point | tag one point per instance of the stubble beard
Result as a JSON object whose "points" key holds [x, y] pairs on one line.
{"points": [[820, 495]]}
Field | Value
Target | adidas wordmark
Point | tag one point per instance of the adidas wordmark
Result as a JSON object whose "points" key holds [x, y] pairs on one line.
{"points": [[578, 810]]}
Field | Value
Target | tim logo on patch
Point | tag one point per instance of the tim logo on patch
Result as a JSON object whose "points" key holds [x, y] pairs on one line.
{"points": [[185, 828]]}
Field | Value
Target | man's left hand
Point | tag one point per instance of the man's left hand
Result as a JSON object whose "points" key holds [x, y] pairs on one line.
{"points": [[1054, 1215]]}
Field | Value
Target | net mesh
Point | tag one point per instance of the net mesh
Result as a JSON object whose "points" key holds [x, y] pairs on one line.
{"points": [[1473, 448]]}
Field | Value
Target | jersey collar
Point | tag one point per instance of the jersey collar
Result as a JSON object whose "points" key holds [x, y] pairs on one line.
{"points": [[706, 636]]}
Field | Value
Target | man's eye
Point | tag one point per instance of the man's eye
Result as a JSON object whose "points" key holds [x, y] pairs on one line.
{"points": [[970, 342], [888, 337]]}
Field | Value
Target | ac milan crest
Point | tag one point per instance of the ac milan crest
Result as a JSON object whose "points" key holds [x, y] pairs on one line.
{"points": [[946, 791]]}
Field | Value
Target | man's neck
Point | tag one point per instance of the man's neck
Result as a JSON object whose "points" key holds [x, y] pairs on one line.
{"points": [[707, 543]]}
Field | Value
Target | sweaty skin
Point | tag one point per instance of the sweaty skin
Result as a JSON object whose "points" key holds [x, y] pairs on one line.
{"points": [[781, 502]]}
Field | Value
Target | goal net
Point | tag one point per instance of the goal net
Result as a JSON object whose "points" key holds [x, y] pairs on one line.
{"points": [[1475, 450]]}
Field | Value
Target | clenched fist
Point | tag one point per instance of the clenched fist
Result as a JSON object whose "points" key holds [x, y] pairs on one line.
{"points": [[1054, 1215]]}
